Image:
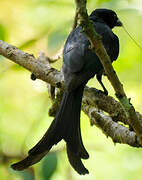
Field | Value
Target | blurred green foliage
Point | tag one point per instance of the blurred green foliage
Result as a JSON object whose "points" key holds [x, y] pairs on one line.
{"points": [[37, 25], [48, 166], [26, 175]]}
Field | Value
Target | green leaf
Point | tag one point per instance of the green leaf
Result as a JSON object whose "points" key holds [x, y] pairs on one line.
{"points": [[27, 175], [54, 3], [102, 1], [48, 165], [2, 58], [130, 9], [16, 67], [2, 32], [56, 39], [28, 43]]}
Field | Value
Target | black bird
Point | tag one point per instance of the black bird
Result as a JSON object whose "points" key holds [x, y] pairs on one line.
{"points": [[80, 64]]}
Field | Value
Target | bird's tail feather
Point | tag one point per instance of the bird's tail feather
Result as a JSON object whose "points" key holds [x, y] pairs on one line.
{"points": [[66, 125], [76, 162]]}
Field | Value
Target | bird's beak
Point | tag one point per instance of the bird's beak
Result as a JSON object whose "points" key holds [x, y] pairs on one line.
{"points": [[119, 23]]}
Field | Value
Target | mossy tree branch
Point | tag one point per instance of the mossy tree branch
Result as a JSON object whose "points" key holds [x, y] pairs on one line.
{"points": [[91, 99]]}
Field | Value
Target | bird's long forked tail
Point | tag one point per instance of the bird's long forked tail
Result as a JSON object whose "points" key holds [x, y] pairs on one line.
{"points": [[66, 125]]}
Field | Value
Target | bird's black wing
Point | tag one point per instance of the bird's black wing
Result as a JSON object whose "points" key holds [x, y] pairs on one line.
{"points": [[74, 50], [112, 47], [80, 63], [109, 40], [77, 46]]}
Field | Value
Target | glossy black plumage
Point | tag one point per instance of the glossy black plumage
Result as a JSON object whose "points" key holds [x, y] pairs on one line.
{"points": [[80, 64]]}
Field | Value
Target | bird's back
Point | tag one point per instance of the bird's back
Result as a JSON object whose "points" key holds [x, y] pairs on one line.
{"points": [[77, 50]]}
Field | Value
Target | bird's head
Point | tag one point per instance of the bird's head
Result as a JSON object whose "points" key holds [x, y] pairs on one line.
{"points": [[108, 16]]}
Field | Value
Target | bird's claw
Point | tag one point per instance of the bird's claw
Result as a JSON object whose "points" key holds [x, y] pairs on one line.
{"points": [[103, 92]]}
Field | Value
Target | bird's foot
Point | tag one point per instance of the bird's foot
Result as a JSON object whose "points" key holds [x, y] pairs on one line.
{"points": [[103, 92]]}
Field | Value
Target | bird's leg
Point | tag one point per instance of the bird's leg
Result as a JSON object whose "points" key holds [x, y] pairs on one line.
{"points": [[99, 78]]}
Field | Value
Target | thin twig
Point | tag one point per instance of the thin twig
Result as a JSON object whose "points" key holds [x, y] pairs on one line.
{"points": [[75, 20]]}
